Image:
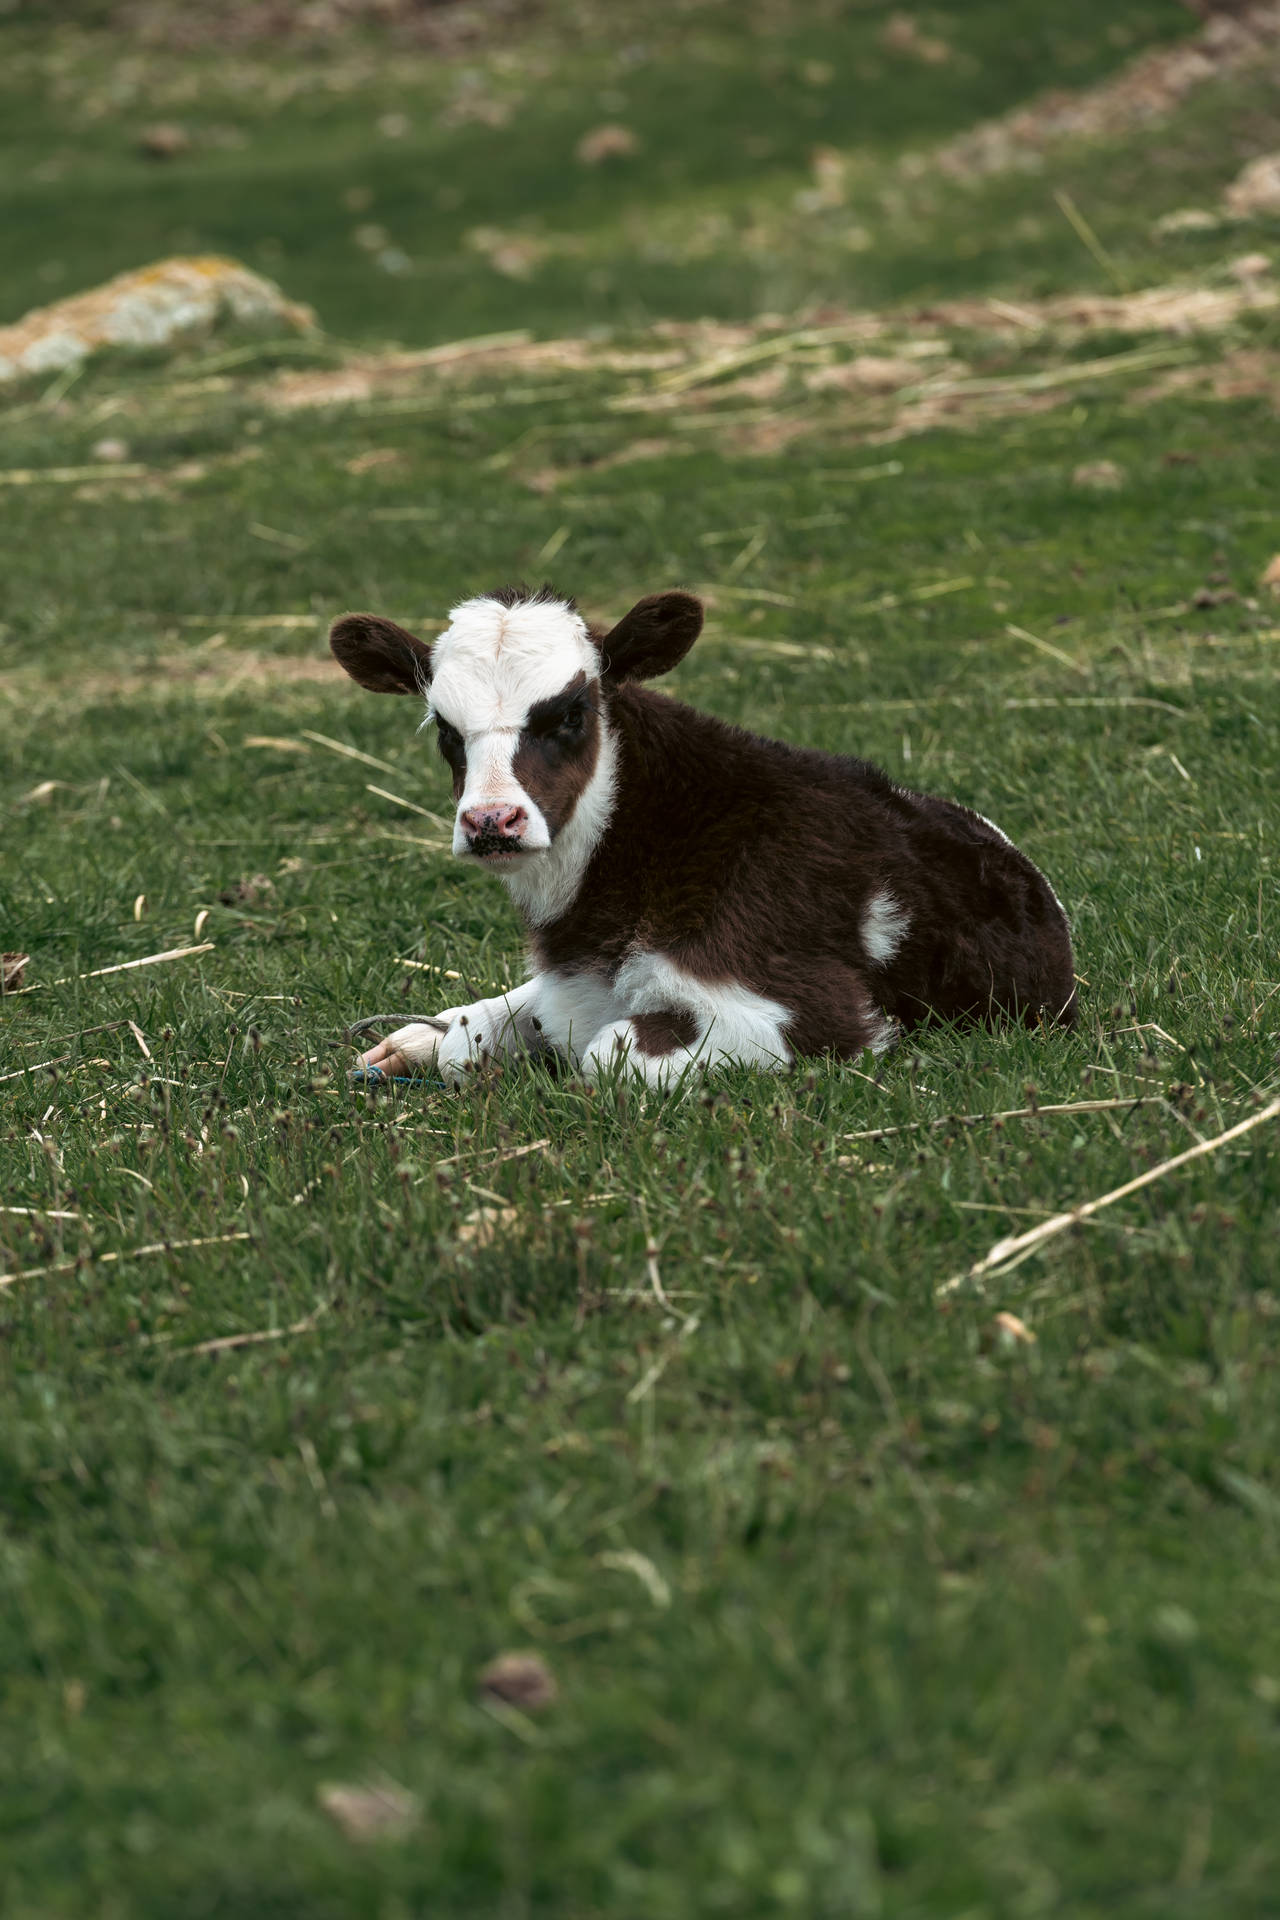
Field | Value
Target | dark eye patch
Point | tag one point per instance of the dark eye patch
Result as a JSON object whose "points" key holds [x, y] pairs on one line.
{"points": [[570, 719], [564, 714], [452, 746]]}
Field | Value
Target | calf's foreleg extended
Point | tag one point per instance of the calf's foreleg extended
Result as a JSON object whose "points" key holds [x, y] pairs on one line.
{"points": [[507, 1023]]}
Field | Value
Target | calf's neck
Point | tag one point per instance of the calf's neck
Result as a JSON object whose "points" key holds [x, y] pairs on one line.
{"points": [[695, 895]]}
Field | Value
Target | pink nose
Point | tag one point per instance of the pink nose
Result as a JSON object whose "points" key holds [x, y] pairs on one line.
{"points": [[494, 823]]}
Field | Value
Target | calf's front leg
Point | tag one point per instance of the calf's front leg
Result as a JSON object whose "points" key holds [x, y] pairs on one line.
{"points": [[670, 1047], [465, 1036]]}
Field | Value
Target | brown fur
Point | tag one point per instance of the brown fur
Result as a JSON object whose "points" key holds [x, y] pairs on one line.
{"points": [[661, 1033], [383, 657], [743, 859], [552, 767]]}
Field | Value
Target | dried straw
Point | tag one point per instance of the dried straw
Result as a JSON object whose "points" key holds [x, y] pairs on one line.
{"points": [[125, 966], [1010, 1252]]}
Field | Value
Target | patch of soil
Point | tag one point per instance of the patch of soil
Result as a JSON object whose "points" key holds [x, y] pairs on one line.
{"points": [[243, 23], [1147, 89]]}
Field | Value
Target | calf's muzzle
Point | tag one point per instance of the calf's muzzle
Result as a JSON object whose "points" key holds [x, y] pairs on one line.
{"points": [[492, 829]]}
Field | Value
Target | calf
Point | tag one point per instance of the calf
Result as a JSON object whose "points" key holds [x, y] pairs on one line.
{"points": [[692, 893]]}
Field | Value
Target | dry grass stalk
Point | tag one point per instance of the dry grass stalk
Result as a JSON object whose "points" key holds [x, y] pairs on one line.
{"points": [[125, 966], [1136, 360], [124, 1253], [426, 966], [377, 1812], [651, 1261], [500, 1155], [780, 344], [1010, 1252], [1045, 646], [67, 476], [933, 591], [228, 1342], [650, 1378], [42, 1213], [412, 805], [1011, 1113], [250, 622], [350, 753]]}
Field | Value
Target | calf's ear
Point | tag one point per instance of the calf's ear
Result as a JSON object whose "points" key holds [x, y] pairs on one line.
{"points": [[380, 655], [654, 637]]}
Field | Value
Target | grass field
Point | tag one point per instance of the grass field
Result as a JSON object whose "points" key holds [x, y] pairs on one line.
{"points": [[856, 1605]]}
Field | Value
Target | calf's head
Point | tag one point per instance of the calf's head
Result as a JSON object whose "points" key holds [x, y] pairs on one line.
{"points": [[518, 687]]}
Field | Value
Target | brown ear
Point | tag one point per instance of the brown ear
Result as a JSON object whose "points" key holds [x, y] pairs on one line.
{"points": [[654, 637], [380, 655]]}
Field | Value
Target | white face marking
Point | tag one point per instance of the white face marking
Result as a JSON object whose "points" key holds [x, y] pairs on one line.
{"points": [[885, 924], [489, 667], [544, 889]]}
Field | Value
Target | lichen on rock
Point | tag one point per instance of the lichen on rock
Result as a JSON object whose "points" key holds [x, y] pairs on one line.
{"points": [[162, 305]]}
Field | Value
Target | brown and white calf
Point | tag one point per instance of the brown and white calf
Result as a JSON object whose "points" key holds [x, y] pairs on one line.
{"points": [[692, 893]]}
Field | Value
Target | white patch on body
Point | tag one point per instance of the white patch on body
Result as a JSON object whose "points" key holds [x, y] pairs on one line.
{"points": [[588, 1019], [885, 924], [886, 1035], [572, 1008], [734, 1025]]}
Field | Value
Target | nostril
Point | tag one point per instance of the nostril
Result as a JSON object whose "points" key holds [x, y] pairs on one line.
{"points": [[503, 822]]}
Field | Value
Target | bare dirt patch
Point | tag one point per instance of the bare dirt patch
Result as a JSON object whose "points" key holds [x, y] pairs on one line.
{"points": [[1147, 89], [191, 674], [243, 23], [696, 364]]}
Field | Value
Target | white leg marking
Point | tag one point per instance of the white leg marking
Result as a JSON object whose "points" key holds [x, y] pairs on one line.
{"points": [[572, 1008], [733, 1022], [734, 1025], [615, 1046], [502, 1025], [885, 924]]}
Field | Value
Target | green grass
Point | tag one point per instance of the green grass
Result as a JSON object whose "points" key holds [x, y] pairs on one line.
{"points": [[852, 1611], [289, 163]]}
